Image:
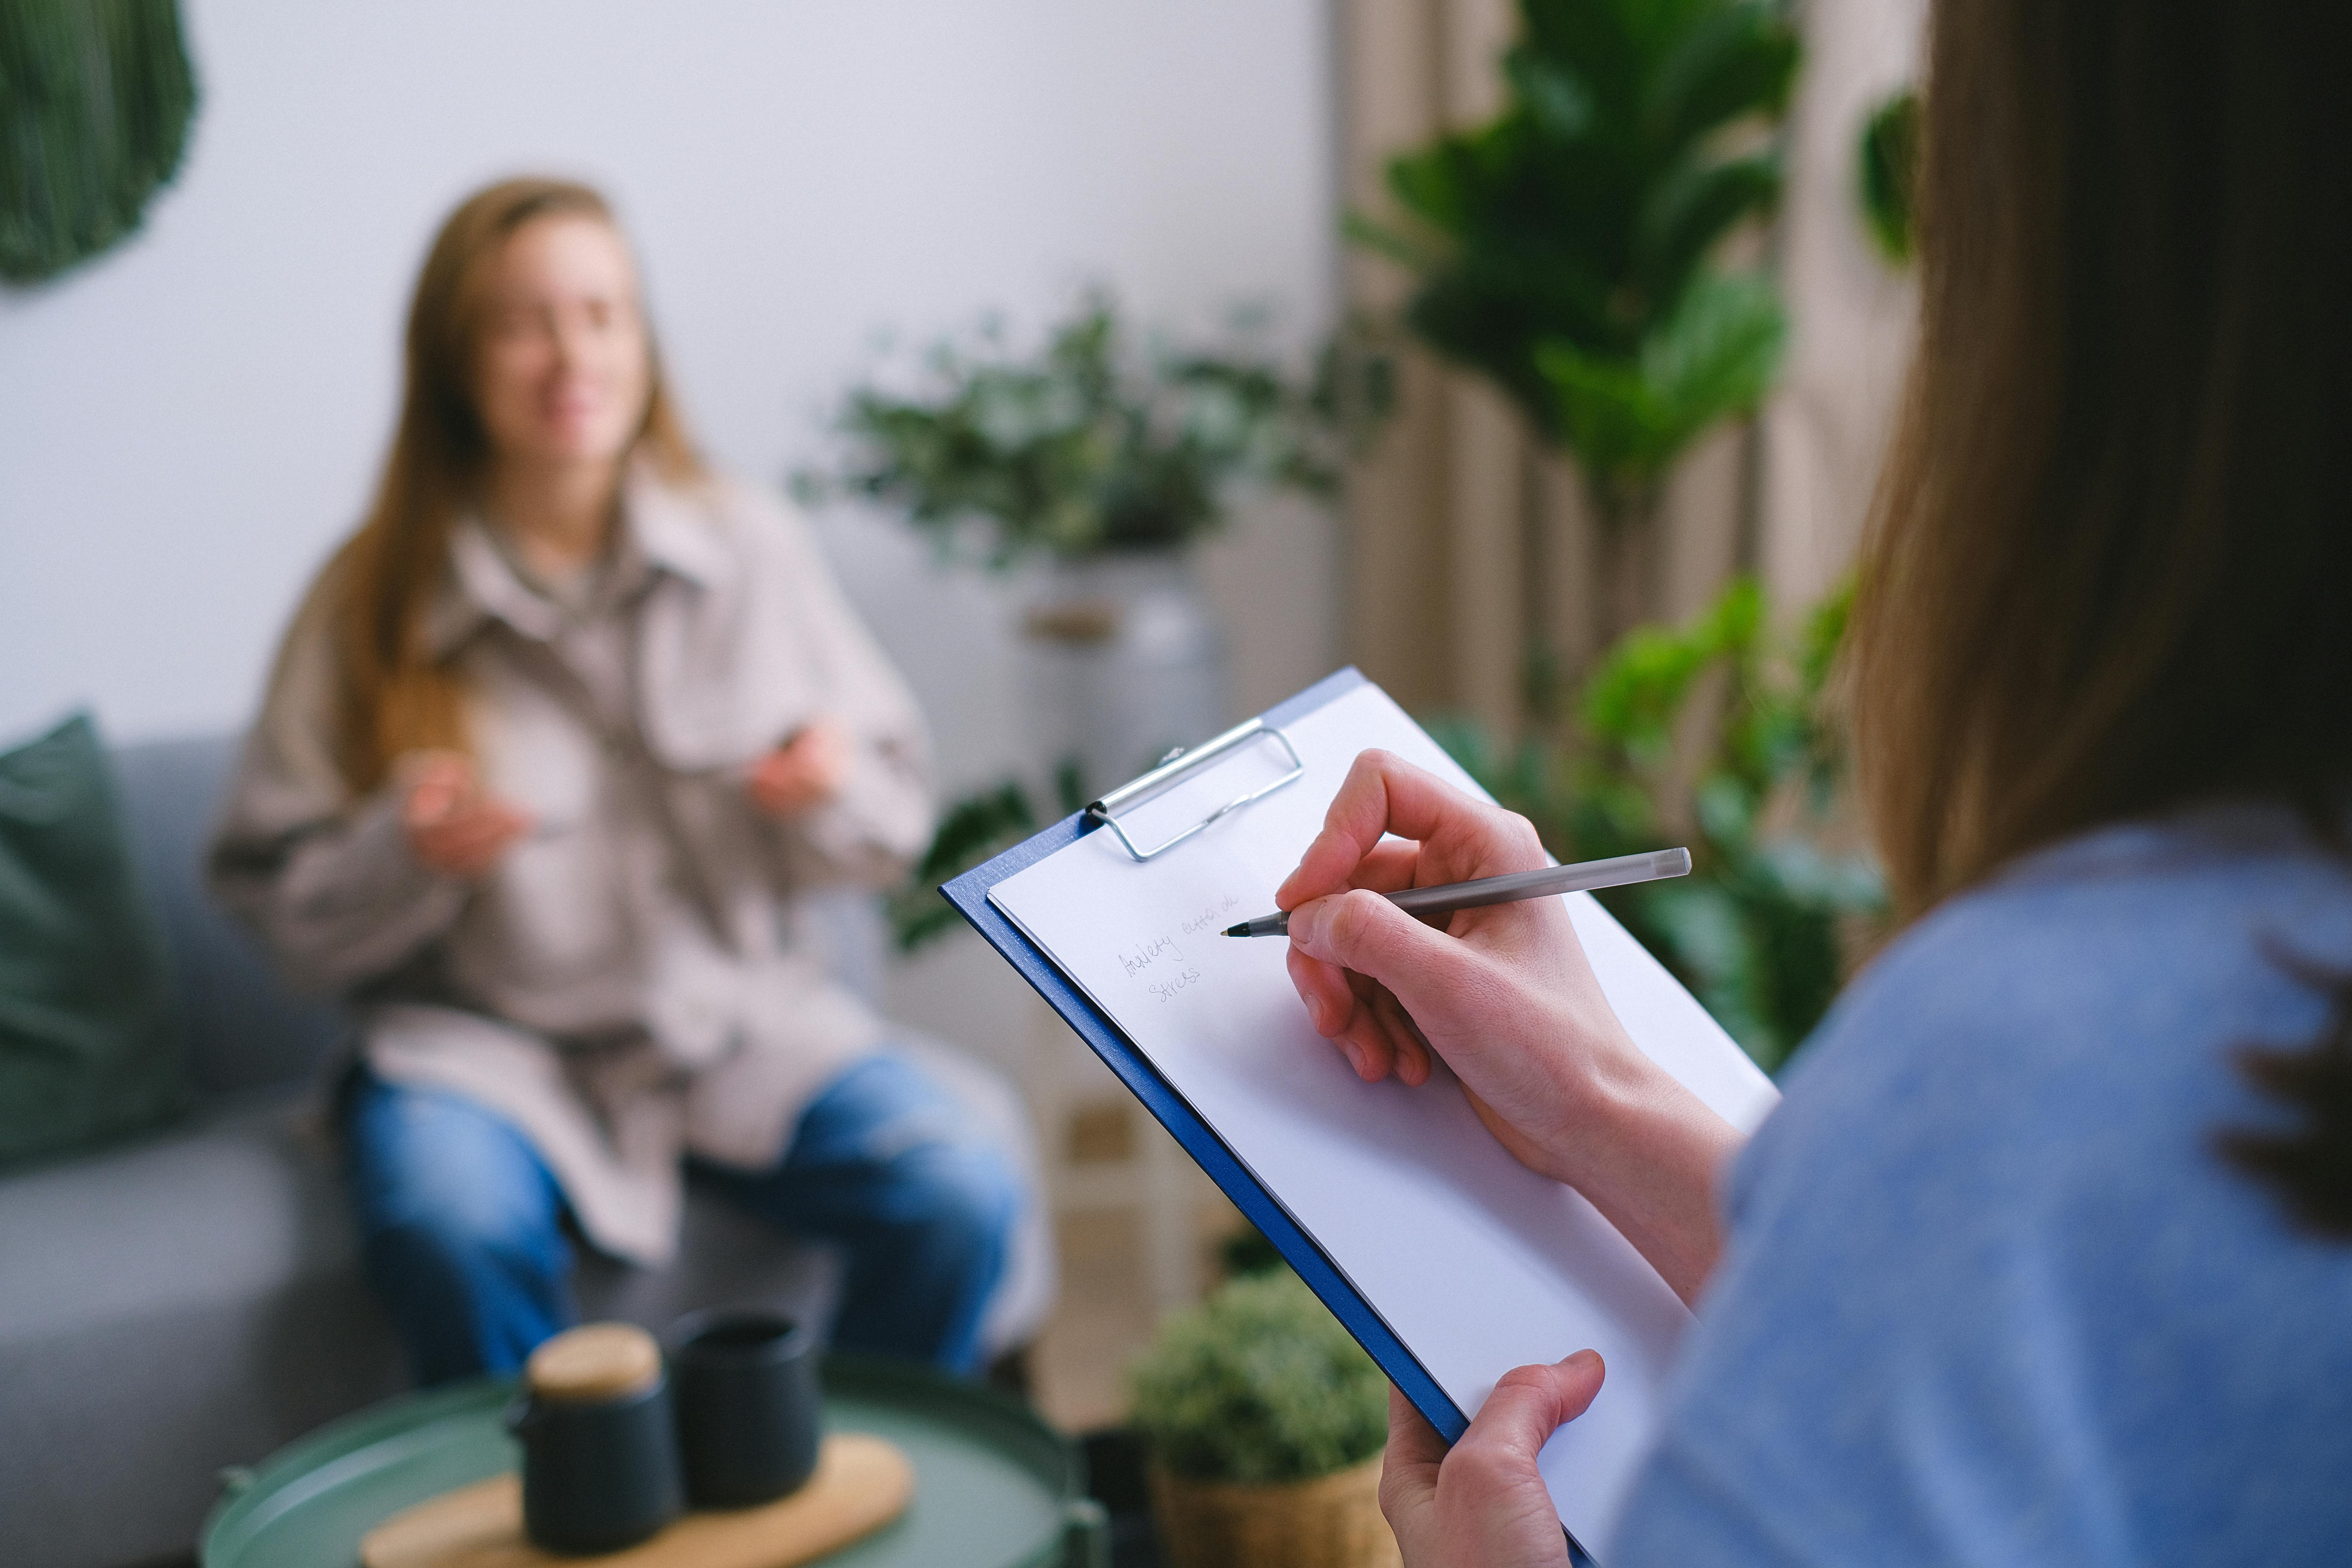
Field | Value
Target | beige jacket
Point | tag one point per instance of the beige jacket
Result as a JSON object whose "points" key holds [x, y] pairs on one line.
{"points": [[630, 982]]}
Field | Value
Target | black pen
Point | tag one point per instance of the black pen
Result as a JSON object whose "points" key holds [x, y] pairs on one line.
{"points": [[1615, 872]]}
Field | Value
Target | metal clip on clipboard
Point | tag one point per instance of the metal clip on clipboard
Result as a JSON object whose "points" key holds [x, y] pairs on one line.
{"points": [[1179, 764]]}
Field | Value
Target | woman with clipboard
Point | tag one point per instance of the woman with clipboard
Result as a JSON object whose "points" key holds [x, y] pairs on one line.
{"points": [[2043, 1260]]}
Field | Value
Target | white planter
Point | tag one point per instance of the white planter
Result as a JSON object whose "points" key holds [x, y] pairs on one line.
{"points": [[1126, 661]]}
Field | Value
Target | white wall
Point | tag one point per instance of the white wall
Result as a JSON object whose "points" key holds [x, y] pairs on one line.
{"points": [[188, 424]]}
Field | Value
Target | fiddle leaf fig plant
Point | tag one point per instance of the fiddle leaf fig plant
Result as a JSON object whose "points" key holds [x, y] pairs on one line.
{"points": [[1566, 251], [1631, 418]]}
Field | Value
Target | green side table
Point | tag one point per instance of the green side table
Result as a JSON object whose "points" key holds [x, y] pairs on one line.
{"points": [[994, 1485]]}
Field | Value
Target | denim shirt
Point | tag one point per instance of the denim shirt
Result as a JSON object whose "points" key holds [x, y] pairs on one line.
{"points": [[1990, 1295]]}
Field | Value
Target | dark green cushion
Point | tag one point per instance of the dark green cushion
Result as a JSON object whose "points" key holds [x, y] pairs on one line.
{"points": [[89, 1034]]}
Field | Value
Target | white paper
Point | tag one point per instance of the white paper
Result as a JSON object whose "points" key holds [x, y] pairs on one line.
{"points": [[1475, 1262]]}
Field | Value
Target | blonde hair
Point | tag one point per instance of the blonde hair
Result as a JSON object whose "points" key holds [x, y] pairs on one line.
{"points": [[391, 694]]}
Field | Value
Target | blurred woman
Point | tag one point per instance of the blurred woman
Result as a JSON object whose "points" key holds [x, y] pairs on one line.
{"points": [[553, 745], [2043, 1260]]}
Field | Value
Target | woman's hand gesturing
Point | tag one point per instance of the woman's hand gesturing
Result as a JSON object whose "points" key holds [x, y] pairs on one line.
{"points": [[1505, 996], [454, 826], [804, 773]]}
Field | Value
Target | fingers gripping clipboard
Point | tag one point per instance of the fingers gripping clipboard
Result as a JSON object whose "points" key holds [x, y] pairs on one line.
{"points": [[1447, 1261]]}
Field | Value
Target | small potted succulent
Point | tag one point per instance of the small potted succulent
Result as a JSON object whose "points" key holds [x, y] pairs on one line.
{"points": [[1264, 1423]]}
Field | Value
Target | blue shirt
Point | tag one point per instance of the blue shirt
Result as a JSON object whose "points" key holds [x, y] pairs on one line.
{"points": [[1989, 1296]]}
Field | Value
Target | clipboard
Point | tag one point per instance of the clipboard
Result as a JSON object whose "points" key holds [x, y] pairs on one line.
{"points": [[1681, 1029], [969, 894]]}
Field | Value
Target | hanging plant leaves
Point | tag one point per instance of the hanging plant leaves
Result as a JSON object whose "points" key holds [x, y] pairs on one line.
{"points": [[95, 100], [1890, 163]]}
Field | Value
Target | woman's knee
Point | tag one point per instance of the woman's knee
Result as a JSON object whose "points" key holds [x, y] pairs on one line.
{"points": [[435, 1176], [470, 1232], [962, 1192]]}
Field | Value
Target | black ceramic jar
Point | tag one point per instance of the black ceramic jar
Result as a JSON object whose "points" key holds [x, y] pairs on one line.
{"points": [[600, 1464]]}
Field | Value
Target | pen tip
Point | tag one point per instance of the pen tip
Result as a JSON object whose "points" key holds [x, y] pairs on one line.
{"points": [[1242, 929]]}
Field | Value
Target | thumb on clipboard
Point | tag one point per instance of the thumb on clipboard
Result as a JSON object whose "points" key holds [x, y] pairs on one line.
{"points": [[1482, 1504]]}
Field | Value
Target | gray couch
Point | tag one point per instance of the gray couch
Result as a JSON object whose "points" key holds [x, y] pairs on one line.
{"points": [[191, 1300]]}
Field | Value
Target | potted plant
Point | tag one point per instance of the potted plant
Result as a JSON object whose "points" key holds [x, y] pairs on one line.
{"points": [[1264, 1423], [1108, 459], [1570, 250]]}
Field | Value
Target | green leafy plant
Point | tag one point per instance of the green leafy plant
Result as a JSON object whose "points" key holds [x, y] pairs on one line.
{"points": [[1887, 163], [1759, 929], [1563, 250], [970, 830], [1247, 1251], [973, 829], [1093, 445], [95, 100], [1259, 1384]]}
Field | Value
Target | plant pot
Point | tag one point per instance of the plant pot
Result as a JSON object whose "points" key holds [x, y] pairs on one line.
{"points": [[1332, 1521], [1126, 661]]}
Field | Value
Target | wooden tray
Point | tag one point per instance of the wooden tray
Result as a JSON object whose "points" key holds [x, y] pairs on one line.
{"points": [[861, 1484]]}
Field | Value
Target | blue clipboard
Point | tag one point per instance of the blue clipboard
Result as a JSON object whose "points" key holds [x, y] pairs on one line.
{"points": [[969, 894]]}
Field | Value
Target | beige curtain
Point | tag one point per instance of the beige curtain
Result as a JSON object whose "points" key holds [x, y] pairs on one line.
{"points": [[1850, 313], [1469, 543]]}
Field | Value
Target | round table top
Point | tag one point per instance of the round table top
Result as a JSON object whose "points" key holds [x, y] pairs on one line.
{"points": [[994, 1485]]}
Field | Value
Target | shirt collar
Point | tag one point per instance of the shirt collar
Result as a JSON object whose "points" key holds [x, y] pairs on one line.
{"points": [[672, 529], [660, 530]]}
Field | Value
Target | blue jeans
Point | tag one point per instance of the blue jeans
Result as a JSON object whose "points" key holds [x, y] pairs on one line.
{"points": [[462, 1224]]}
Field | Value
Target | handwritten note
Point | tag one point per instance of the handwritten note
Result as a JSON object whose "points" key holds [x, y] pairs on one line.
{"points": [[1216, 917], [1160, 950], [1158, 963]]}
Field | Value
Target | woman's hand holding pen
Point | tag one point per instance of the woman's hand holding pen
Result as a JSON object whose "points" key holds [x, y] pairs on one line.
{"points": [[1505, 995], [803, 774], [455, 826], [1389, 989]]}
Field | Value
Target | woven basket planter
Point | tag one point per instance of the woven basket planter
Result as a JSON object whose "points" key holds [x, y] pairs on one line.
{"points": [[1332, 1521]]}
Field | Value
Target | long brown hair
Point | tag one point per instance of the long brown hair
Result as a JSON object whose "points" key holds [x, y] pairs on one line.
{"points": [[2110, 573], [392, 695]]}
